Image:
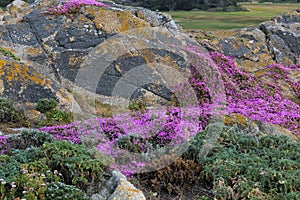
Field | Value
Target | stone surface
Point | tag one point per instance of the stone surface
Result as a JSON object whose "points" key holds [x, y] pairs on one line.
{"points": [[14, 12], [251, 127], [274, 41], [113, 42], [58, 47], [24, 83], [118, 188], [125, 190]]}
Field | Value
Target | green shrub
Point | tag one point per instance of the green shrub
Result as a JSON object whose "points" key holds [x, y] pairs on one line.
{"points": [[61, 191], [77, 166], [53, 115], [46, 105], [137, 105], [9, 113], [9, 54], [30, 168], [241, 166], [8, 168], [4, 3], [29, 138], [59, 116]]}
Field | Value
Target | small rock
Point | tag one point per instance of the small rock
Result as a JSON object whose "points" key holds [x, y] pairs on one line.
{"points": [[125, 190], [118, 188]]}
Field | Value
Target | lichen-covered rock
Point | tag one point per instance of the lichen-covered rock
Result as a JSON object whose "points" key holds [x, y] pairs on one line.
{"points": [[57, 45], [255, 128], [24, 83], [106, 45], [14, 12], [126, 191], [117, 187], [274, 41]]}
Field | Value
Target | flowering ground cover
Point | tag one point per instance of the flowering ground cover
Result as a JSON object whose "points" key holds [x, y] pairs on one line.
{"points": [[135, 139], [72, 7]]}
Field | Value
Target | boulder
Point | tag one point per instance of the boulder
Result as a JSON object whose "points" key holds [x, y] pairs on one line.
{"points": [[95, 54], [14, 12], [256, 128], [58, 47], [118, 188], [274, 41]]}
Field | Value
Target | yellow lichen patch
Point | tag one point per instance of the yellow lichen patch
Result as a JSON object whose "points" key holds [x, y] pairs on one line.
{"points": [[115, 21], [260, 73], [140, 15], [2, 64], [235, 119], [34, 51], [226, 33], [17, 72], [74, 60], [148, 56], [1, 86]]}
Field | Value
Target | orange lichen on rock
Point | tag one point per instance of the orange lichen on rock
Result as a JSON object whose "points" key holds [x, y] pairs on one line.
{"points": [[14, 71], [234, 119], [113, 21], [34, 51]]}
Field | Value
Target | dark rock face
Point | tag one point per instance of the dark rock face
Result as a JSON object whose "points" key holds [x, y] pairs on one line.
{"points": [[23, 83], [56, 47]]}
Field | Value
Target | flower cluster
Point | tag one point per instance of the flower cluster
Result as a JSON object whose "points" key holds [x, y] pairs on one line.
{"points": [[126, 134], [71, 7], [258, 99], [4, 146], [134, 138]]}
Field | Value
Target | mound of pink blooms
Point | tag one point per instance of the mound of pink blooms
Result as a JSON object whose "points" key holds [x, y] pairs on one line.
{"points": [[258, 99], [72, 5], [245, 94]]}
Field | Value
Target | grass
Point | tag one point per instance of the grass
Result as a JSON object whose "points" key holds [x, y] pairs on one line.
{"points": [[210, 21]]}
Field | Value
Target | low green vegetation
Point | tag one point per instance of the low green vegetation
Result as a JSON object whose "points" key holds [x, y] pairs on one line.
{"points": [[9, 54], [9, 113], [240, 166], [45, 168], [230, 165], [210, 21], [53, 115]]}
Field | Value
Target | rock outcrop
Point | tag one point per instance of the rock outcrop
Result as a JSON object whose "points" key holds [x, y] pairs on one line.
{"points": [[56, 47], [274, 41], [43, 55]]}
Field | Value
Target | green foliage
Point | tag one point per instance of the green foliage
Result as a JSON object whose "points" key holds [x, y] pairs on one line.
{"points": [[9, 54], [9, 113], [59, 116], [4, 3], [171, 5], [77, 166], [46, 105], [58, 190], [137, 105], [241, 166], [53, 115], [211, 21], [29, 169], [8, 168], [29, 138]]}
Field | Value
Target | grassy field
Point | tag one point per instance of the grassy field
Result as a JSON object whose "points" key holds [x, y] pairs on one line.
{"points": [[231, 20]]}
